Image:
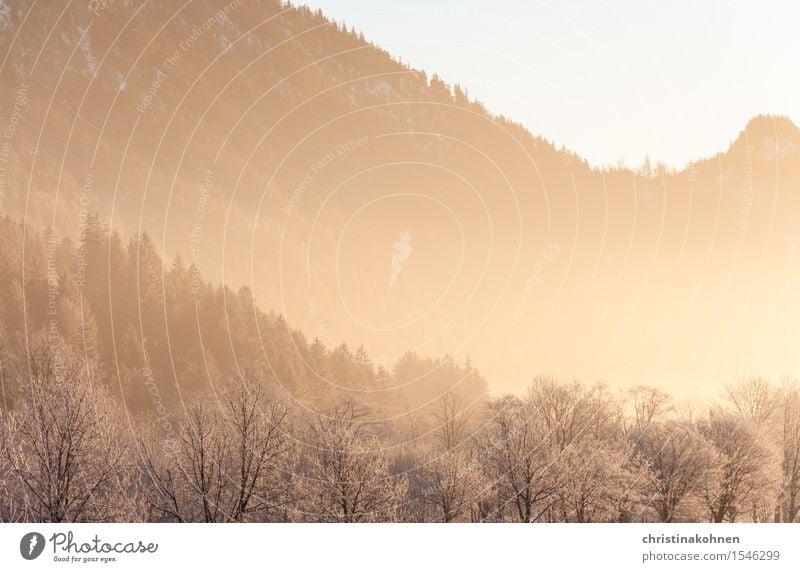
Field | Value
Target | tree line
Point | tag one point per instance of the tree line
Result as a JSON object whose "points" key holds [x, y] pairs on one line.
{"points": [[130, 395], [247, 452]]}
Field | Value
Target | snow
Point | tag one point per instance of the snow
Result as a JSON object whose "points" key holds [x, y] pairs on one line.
{"points": [[5, 16], [86, 48]]}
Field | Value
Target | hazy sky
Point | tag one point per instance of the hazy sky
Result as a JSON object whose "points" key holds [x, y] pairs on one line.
{"points": [[611, 80]]}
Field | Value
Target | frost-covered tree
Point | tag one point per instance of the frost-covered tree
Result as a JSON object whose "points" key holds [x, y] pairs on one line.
{"points": [[601, 482], [349, 477], [789, 507], [746, 470], [228, 462], [63, 451], [452, 474], [520, 460], [679, 461]]}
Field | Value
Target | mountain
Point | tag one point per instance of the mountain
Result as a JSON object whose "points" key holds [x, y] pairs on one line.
{"points": [[369, 203]]}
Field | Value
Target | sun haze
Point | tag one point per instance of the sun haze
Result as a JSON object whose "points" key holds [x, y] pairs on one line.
{"points": [[612, 81]]}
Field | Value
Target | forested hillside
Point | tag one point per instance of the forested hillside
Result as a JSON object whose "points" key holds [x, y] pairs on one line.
{"points": [[137, 392], [118, 305]]}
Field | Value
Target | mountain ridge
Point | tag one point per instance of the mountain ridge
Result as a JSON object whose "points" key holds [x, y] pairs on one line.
{"points": [[219, 133]]}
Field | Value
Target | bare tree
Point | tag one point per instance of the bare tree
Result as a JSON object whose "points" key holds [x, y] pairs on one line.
{"points": [[190, 483], [566, 410], [790, 448], [453, 484], [454, 478], [678, 461], [261, 436], [65, 451], [226, 465], [520, 459], [452, 421], [12, 504], [745, 470], [754, 398], [600, 483], [607, 413], [648, 404], [349, 475]]}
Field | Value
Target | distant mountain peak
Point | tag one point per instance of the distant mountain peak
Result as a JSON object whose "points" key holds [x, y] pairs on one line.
{"points": [[765, 125], [765, 131]]}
